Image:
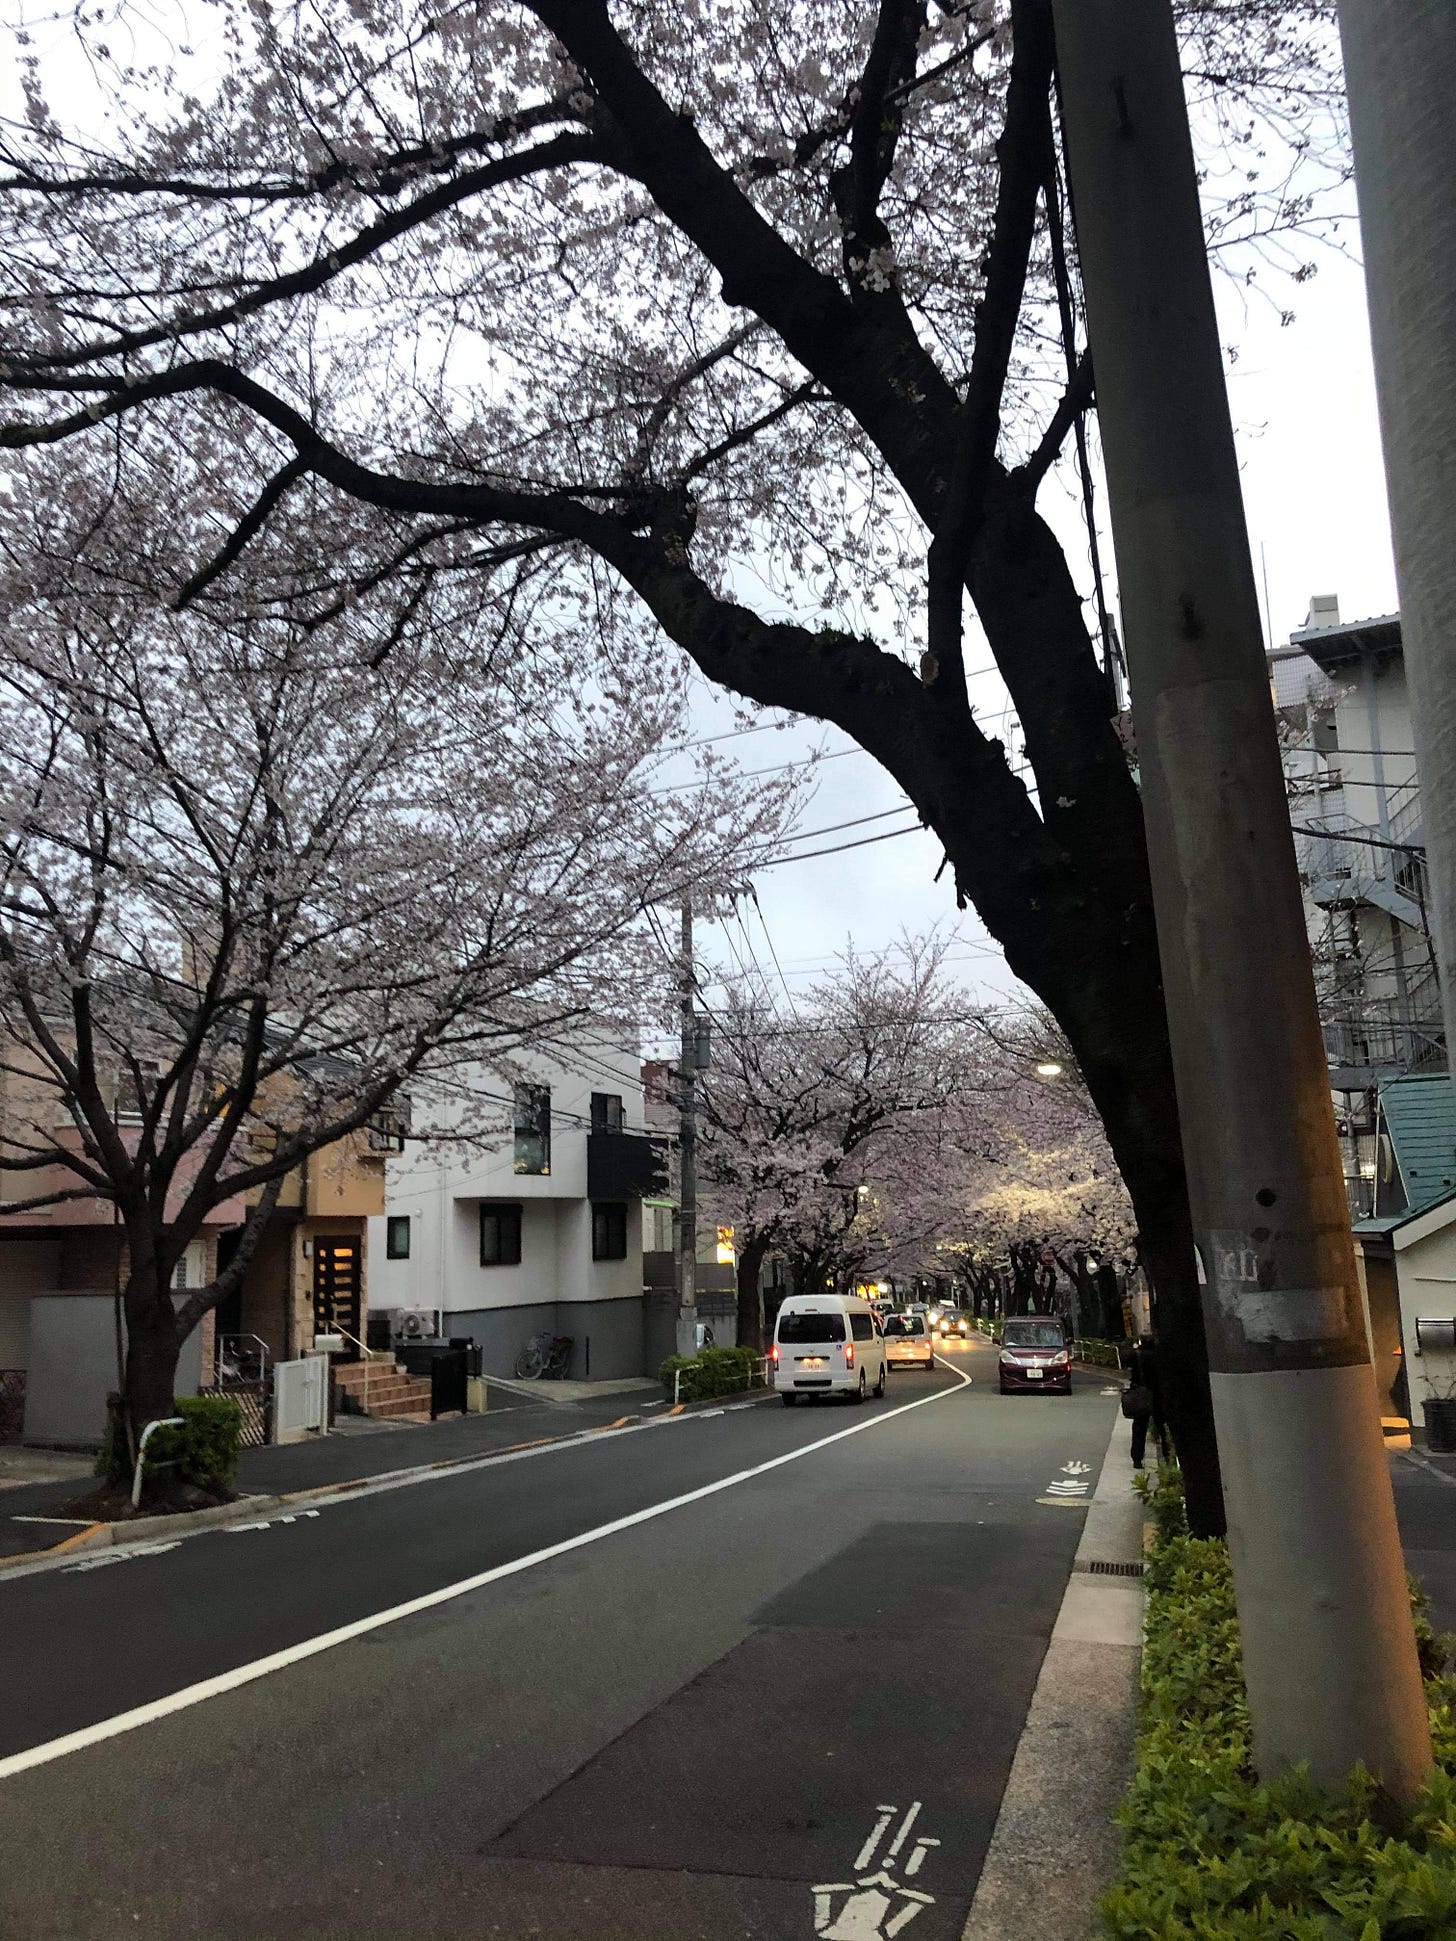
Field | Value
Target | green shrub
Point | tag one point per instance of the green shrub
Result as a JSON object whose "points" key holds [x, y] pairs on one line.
{"points": [[713, 1371], [1102, 1354], [1213, 1855], [204, 1451]]}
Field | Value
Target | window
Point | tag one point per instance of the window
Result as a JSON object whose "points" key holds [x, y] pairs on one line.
{"points": [[606, 1112], [500, 1236], [609, 1230], [191, 1268], [656, 1229], [807, 1326], [533, 1128], [396, 1237], [863, 1326], [133, 1097], [387, 1130], [1033, 1334]]}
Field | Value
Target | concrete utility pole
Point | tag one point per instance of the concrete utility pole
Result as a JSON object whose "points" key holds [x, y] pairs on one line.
{"points": [[687, 1210], [1329, 1649], [1400, 71]]}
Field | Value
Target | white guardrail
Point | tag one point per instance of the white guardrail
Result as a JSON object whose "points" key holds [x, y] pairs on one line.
{"points": [[757, 1377]]}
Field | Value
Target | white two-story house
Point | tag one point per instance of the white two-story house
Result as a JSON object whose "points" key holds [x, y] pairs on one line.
{"points": [[533, 1228]]}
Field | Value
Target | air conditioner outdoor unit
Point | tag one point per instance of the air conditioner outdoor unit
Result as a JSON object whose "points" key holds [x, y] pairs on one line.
{"points": [[415, 1323]]}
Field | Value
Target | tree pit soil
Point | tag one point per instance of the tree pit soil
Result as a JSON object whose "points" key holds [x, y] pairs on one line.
{"points": [[111, 1502]]}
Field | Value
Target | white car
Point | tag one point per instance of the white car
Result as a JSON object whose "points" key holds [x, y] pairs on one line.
{"points": [[827, 1344]]}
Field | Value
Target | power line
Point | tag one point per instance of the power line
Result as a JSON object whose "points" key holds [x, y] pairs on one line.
{"points": [[834, 849]]}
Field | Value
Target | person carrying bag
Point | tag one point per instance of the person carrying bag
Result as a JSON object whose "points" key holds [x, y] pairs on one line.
{"points": [[1142, 1400]]}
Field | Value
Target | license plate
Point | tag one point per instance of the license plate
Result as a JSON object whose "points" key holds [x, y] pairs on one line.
{"points": [[1033, 1374], [811, 1361]]}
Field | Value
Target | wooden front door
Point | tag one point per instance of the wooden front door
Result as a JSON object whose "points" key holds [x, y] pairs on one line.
{"points": [[336, 1279]]}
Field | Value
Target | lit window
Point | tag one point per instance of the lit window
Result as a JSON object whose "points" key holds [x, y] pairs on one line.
{"points": [[533, 1128]]}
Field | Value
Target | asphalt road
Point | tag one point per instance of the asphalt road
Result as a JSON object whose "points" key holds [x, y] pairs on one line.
{"points": [[784, 1706]]}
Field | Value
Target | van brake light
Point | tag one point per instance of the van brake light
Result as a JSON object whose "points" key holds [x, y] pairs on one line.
{"points": [[773, 1353], [849, 1354]]}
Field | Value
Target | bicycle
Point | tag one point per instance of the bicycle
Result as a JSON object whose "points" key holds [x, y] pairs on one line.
{"points": [[545, 1356]]}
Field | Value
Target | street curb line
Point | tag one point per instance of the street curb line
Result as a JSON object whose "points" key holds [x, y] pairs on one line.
{"points": [[143, 1529], [1078, 1732], [220, 1683]]}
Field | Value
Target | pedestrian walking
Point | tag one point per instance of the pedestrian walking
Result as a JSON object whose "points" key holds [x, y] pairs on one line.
{"points": [[1143, 1400]]}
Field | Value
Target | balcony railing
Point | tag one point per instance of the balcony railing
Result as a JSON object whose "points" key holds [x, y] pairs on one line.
{"points": [[1377, 1044], [625, 1166]]}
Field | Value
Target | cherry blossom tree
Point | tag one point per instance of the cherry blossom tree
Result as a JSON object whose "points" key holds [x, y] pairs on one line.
{"points": [[261, 881], [817, 1129], [695, 299]]}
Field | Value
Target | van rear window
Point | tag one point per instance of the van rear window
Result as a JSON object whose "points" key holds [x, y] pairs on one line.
{"points": [[800, 1326]]}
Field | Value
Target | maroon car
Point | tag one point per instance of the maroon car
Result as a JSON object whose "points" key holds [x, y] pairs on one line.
{"points": [[1034, 1355]]}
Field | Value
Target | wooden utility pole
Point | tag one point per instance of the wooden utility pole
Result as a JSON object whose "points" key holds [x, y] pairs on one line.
{"points": [[1329, 1649]]}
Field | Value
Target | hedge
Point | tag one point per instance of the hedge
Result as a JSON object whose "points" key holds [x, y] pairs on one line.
{"points": [[713, 1371], [202, 1453], [1102, 1354], [1213, 1855]]}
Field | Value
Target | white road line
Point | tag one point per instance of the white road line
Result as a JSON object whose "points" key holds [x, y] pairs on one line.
{"points": [[231, 1681]]}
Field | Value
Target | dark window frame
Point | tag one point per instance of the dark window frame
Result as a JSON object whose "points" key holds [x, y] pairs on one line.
{"points": [[393, 1223], [607, 1114], [531, 1128], [609, 1217], [504, 1216]]}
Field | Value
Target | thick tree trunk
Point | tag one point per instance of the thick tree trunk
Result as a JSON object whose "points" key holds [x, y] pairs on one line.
{"points": [[152, 1348], [750, 1301]]}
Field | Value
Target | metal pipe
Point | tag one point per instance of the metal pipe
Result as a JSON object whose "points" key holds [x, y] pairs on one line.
{"points": [[162, 1422]]}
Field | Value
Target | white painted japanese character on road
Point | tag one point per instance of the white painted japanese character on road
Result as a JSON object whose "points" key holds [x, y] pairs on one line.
{"points": [[876, 1906]]}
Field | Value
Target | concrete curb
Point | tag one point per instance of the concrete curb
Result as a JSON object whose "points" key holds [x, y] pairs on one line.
{"points": [[1075, 1754], [146, 1529]]}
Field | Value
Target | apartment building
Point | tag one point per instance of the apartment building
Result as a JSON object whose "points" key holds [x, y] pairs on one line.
{"points": [[1355, 804], [533, 1228]]}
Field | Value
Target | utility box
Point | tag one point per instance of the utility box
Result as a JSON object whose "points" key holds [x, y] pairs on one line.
{"points": [[475, 1395]]}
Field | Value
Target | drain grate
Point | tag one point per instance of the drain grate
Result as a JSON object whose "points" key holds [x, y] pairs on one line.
{"points": [[1100, 1569]]}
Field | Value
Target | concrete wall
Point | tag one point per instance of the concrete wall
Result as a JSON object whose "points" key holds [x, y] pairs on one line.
{"points": [[1426, 1271], [608, 1335], [72, 1368]]}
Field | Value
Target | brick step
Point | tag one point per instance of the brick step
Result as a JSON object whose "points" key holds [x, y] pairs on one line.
{"points": [[402, 1407], [351, 1374], [390, 1388]]}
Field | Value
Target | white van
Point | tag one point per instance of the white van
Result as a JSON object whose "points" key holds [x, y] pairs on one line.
{"points": [[827, 1344]]}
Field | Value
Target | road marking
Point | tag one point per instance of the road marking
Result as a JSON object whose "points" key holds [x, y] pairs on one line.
{"points": [[121, 1556], [877, 1906], [230, 1681], [1076, 1469], [268, 1521], [84, 1521]]}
